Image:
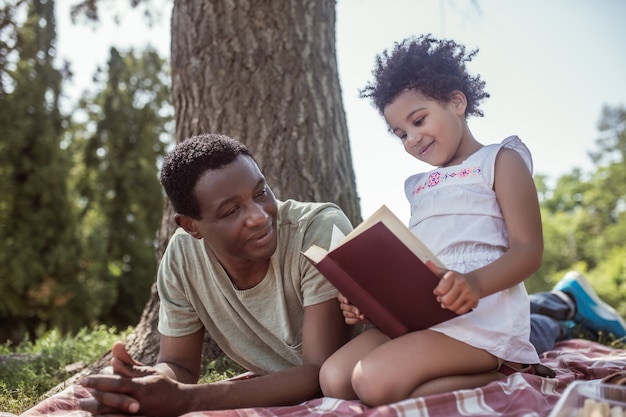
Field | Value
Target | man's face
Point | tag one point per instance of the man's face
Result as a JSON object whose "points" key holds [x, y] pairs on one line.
{"points": [[238, 213]]}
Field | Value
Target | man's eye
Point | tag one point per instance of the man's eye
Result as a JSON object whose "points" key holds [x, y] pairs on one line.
{"points": [[262, 193], [232, 211]]}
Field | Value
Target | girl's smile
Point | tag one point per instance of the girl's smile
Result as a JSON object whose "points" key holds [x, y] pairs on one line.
{"points": [[432, 131]]}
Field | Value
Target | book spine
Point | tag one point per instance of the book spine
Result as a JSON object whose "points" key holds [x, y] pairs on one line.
{"points": [[366, 303]]}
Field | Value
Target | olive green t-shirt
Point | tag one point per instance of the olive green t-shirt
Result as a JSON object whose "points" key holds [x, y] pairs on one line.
{"points": [[261, 327]]}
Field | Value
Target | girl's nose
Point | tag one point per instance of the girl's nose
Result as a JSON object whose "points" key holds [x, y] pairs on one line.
{"points": [[412, 138]]}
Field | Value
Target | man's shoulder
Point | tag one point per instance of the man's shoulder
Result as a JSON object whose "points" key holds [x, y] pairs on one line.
{"points": [[182, 240], [295, 212], [180, 235]]}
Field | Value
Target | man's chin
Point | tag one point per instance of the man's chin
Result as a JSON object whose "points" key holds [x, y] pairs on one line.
{"points": [[262, 252]]}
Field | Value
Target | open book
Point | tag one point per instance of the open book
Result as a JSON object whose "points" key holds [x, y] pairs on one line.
{"points": [[380, 267]]}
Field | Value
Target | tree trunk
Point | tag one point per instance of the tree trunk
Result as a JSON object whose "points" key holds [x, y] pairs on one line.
{"points": [[266, 73], [263, 72]]}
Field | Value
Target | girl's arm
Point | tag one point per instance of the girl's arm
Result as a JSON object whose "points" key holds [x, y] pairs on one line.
{"points": [[517, 196]]}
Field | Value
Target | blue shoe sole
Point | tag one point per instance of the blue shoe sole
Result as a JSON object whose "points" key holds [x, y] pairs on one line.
{"points": [[591, 312]]}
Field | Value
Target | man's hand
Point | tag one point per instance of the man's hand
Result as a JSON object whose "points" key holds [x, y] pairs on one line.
{"points": [[124, 365], [153, 395], [111, 400]]}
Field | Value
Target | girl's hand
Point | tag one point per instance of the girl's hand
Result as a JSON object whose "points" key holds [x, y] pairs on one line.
{"points": [[351, 314], [455, 291]]}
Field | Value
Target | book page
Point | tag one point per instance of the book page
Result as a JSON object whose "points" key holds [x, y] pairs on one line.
{"points": [[335, 238], [316, 254], [386, 216]]}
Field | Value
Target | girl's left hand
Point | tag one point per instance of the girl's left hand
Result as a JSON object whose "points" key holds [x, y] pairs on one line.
{"points": [[351, 314], [455, 291]]}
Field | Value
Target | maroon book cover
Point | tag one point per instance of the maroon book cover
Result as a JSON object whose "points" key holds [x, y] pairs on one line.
{"points": [[385, 279]]}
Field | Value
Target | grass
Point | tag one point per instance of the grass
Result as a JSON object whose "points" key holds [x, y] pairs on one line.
{"points": [[31, 369], [608, 339]]}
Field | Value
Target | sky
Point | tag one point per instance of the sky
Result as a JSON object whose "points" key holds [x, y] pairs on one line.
{"points": [[549, 65]]}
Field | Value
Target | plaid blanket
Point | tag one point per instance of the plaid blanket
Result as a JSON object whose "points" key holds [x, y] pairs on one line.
{"points": [[518, 395]]}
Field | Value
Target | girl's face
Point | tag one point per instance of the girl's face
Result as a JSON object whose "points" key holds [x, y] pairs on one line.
{"points": [[432, 131]]}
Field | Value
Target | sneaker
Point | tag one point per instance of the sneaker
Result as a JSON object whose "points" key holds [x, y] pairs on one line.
{"points": [[591, 312]]}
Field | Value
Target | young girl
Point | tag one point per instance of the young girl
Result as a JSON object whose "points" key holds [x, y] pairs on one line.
{"points": [[477, 210]]}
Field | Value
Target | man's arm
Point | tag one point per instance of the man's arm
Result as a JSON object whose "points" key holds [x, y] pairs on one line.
{"points": [[179, 361], [324, 331], [180, 358]]}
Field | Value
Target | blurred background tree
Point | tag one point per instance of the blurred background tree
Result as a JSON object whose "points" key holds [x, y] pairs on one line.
{"points": [[115, 178], [80, 203], [584, 217], [38, 232]]}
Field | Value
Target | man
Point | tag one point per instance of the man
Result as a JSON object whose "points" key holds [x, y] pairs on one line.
{"points": [[233, 268]]}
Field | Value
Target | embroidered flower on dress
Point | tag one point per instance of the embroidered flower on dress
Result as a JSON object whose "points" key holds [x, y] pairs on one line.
{"points": [[435, 178]]}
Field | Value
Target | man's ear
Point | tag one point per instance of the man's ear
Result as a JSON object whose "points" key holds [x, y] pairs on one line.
{"points": [[188, 224], [458, 101]]}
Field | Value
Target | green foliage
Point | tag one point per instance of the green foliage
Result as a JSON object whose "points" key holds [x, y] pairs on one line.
{"points": [[219, 369], [29, 370], [116, 180], [609, 278], [38, 243], [80, 203], [584, 218], [36, 367], [562, 233]]}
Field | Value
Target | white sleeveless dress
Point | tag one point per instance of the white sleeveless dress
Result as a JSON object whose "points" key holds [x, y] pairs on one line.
{"points": [[455, 212]]}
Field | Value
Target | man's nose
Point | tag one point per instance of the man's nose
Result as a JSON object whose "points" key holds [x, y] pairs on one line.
{"points": [[256, 214]]}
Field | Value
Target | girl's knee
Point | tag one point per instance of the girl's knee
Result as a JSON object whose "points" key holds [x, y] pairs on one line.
{"points": [[335, 381], [327, 379], [369, 389]]}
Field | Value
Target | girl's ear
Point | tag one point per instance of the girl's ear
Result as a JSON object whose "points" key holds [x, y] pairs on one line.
{"points": [[458, 101], [188, 224]]}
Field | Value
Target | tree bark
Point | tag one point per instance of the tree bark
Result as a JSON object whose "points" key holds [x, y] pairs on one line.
{"points": [[266, 73], [263, 72]]}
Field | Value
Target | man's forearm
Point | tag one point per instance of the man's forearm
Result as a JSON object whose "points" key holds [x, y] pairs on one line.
{"points": [[176, 372], [288, 387]]}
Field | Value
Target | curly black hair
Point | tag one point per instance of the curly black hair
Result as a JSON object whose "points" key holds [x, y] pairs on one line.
{"points": [[191, 158], [431, 66]]}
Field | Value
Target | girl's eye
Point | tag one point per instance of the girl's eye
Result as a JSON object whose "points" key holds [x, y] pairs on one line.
{"points": [[419, 122], [400, 134]]}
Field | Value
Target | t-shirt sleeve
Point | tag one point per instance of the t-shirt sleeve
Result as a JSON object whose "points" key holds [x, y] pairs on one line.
{"points": [[315, 288], [177, 316]]}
